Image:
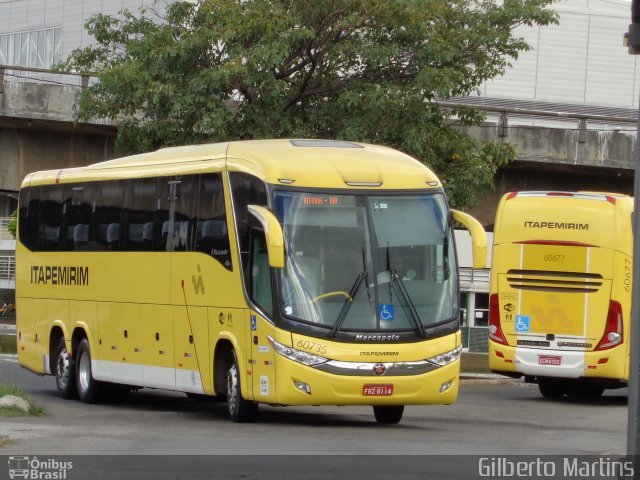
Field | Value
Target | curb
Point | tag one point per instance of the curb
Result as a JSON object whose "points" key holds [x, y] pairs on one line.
{"points": [[7, 329], [9, 357], [488, 378]]}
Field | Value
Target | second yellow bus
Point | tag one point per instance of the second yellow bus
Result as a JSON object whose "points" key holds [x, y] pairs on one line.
{"points": [[561, 290]]}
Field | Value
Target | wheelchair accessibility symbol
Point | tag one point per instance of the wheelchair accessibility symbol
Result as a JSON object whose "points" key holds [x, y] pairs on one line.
{"points": [[387, 312], [523, 323]]}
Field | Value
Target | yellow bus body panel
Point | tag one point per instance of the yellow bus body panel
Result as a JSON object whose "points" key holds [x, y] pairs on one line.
{"points": [[33, 335], [545, 296]]}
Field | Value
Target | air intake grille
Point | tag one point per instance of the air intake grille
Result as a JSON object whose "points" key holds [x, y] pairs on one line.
{"points": [[547, 281]]}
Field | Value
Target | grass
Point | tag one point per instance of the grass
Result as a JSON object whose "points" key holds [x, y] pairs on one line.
{"points": [[475, 363], [34, 410], [7, 344]]}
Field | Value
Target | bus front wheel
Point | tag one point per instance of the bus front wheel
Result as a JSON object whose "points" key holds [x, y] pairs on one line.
{"points": [[64, 371], [89, 389], [240, 410], [388, 413]]}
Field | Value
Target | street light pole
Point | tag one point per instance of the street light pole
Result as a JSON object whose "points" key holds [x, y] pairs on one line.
{"points": [[632, 40]]}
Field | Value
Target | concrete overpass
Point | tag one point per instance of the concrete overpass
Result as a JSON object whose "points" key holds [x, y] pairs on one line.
{"points": [[37, 132]]}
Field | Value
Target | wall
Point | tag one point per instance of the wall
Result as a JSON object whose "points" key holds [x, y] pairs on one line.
{"points": [[27, 150]]}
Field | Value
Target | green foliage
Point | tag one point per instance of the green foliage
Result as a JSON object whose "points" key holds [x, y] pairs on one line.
{"points": [[12, 225], [8, 344], [13, 390], [365, 70]]}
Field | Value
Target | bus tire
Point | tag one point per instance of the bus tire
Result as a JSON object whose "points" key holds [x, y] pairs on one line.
{"points": [[64, 371], [89, 389], [551, 388], [390, 414], [592, 391], [587, 390], [240, 410]]}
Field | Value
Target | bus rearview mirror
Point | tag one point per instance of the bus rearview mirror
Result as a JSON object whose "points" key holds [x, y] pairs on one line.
{"points": [[273, 234], [478, 237]]}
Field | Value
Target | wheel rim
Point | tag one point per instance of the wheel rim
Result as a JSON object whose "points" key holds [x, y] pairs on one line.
{"points": [[62, 369], [84, 371], [232, 388]]}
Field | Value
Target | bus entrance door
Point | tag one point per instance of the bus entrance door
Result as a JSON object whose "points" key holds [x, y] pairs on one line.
{"points": [[262, 359]]}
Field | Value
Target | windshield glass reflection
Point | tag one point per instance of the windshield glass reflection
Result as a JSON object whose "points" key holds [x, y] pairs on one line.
{"points": [[365, 262]]}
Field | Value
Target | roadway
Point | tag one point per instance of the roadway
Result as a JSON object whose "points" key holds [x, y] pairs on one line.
{"points": [[158, 428]]}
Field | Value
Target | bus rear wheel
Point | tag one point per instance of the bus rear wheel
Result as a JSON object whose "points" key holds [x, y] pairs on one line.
{"points": [[388, 413], [587, 390], [592, 391], [240, 410], [64, 371], [89, 389], [551, 388]]}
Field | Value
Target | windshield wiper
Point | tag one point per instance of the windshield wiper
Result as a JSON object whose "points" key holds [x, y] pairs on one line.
{"points": [[406, 299], [346, 306], [445, 253]]}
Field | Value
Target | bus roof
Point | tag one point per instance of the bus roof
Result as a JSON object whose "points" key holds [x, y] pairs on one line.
{"points": [[578, 218], [307, 163]]}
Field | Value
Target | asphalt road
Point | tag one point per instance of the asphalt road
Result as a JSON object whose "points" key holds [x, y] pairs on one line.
{"points": [[490, 419]]}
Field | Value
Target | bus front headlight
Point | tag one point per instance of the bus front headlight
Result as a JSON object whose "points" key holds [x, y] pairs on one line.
{"points": [[447, 357], [296, 355]]}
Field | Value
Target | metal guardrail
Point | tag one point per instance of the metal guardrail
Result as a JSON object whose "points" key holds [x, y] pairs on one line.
{"points": [[582, 115], [540, 112], [479, 277], [7, 268], [84, 77], [7, 262]]}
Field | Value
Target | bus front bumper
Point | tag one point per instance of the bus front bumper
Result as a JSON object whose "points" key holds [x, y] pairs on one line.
{"points": [[299, 384]]}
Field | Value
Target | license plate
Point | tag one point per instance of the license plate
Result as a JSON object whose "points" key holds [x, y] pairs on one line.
{"points": [[549, 360], [377, 390]]}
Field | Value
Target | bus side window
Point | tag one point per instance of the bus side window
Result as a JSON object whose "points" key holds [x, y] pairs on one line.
{"points": [[173, 216], [246, 190], [77, 217], [49, 219], [28, 205], [260, 272], [107, 214], [183, 213], [41, 218], [138, 215], [210, 217]]}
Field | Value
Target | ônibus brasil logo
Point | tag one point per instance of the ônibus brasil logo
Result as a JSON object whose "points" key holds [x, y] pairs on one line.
{"points": [[36, 469]]}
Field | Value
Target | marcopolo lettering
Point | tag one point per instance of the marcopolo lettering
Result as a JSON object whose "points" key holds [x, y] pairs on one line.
{"points": [[59, 275], [557, 225], [377, 338]]}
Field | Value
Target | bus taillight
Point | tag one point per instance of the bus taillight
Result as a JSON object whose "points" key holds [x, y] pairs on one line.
{"points": [[495, 332], [613, 330]]}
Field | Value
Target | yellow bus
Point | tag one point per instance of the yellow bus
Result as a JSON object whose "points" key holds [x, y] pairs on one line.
{"points": [[560, 296], [252, 271]]}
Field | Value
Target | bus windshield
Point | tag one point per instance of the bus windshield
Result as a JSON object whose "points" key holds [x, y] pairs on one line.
{"points": [[367, 262]]}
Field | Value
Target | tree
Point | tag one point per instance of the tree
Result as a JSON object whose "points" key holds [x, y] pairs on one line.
{"points": [[362, 70]]}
